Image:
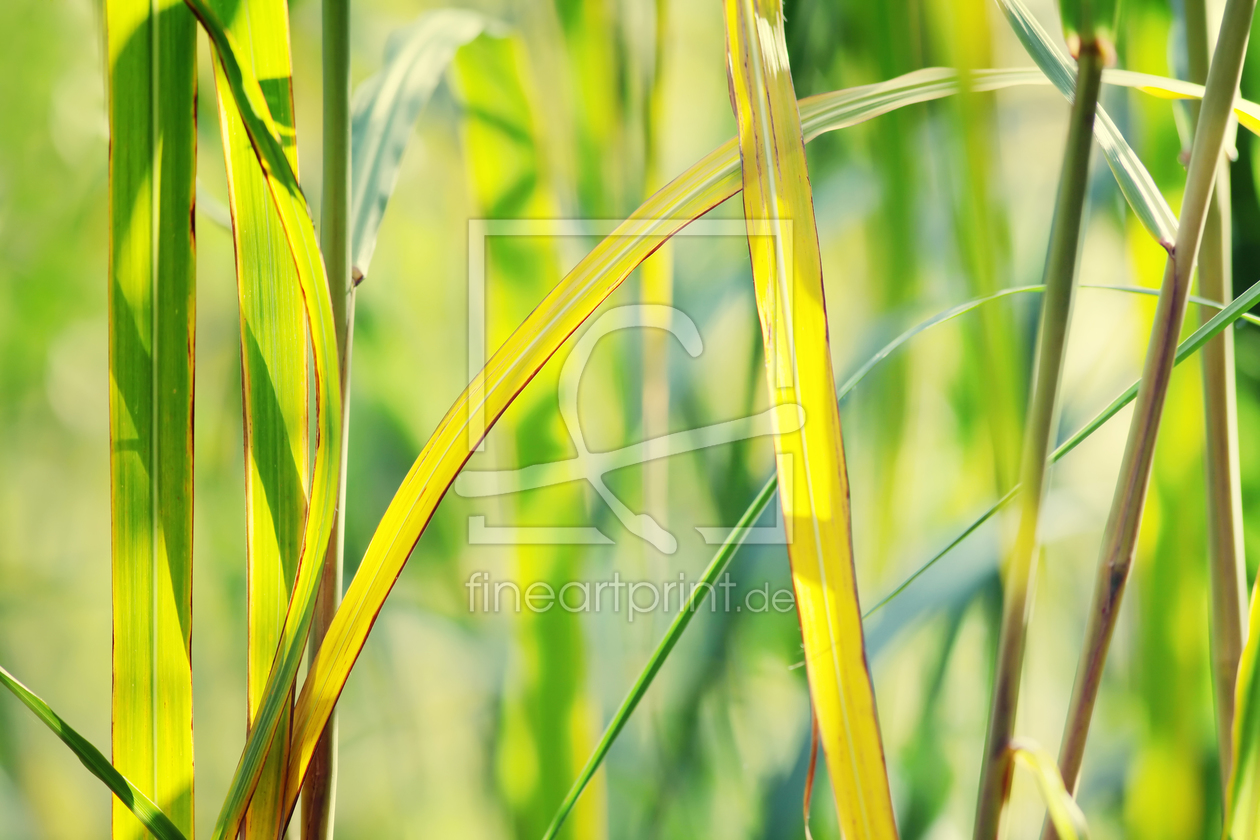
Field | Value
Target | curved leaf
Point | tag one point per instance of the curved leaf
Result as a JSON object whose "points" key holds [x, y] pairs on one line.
{"points": [[385, 109], [128, 795], [1065, 814], [1135, 182], [267, 139], [273, 381]]}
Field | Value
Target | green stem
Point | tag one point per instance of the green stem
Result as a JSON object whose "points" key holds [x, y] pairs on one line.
{"points": [[320, 788], [1056, 311], [1120, 536], [1227, 560]]}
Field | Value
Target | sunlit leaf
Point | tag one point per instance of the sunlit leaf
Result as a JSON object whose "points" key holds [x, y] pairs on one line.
{"points": [[274, 379], [1135, 182], [385, 110], [152, 176], [267, 138], [813, 478], [1065, 814], [706, 184]]}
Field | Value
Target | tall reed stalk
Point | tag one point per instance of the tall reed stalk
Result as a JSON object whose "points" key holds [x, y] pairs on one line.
{"points": [[319, 792], [1043, 413], [1226, 555], [1120, 536]]}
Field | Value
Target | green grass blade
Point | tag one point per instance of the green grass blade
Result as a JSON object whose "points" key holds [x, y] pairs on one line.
{"points": [[274, 381], [266, 136], [127, 795], [152, 172], [1135, 182], [1224, 318], [703, 587], [385, 109]]}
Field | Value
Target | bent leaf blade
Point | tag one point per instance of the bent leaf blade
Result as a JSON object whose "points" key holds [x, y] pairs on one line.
{"points": [[274, 382]]}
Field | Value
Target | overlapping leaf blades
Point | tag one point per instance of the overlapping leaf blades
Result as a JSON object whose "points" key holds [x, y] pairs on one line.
{"points": [[266, 137], [148, 814], [274, 380], [834, 112], [706, 184]]}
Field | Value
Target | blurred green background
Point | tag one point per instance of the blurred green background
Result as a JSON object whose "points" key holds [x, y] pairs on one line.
{"points": [[463, 724]]}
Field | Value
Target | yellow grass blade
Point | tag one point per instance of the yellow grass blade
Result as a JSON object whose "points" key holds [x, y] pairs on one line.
{"points": [[814, 492], [274, 380], [266, 137], [152, 171], [510, 368], [1065, 814]]}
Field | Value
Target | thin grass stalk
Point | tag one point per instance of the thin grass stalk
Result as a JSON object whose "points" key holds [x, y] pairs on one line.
{"points": [[1043, 413], [319, 791], [1124, 521], [1226, 554]]}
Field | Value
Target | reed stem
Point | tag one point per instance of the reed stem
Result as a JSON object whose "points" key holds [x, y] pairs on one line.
{"points": [[1120, 536], [1056, 312], [320, 788], [1226, 556]]}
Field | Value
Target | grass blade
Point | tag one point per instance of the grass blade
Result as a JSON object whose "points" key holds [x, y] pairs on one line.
{"points": [[1135, 182], [787, 271], [1224, 318], [152, 175], [266, 137], [127, 795], [1124, 521], [1065, 814], [706, 184], [721, 559], [1042, 423], [274, 383], [385, 109]]}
